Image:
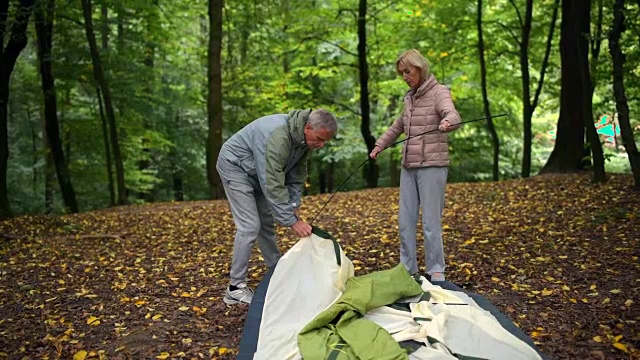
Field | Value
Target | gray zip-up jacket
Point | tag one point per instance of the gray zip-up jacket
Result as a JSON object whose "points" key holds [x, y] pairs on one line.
{"points": [[272, 152]]}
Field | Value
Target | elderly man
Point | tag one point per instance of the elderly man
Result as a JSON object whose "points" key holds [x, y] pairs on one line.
{"points": [[263, 170]]}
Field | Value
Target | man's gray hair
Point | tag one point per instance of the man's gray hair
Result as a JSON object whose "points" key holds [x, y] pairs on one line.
{"points": [[321, 118]]}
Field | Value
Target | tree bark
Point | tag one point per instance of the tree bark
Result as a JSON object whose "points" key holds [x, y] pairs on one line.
{"points": [[106, 92], [567, 153], [44, 34], [214, 100], [619, 92], [371, 169], [485, 99], [8, 56]]}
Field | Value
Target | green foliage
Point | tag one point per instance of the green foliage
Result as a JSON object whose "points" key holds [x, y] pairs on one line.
{"points": [[276, 57]]}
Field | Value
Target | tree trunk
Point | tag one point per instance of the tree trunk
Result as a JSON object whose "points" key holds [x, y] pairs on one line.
{"points": [[371, 169], [8, 56], [527, 109], [178, 189], [106, 92], [567, 153], [596, 42], [44, 34], [49, 167], [331, 176], [485, 99], [107, 149], [214, 100], [619, 93], [104, 31]]}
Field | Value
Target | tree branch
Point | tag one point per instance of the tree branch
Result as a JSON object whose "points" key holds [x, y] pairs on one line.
{"points": [[513, 35], [545, 61], [338, 46], [518, 13], [392, 3], [79, 23]]}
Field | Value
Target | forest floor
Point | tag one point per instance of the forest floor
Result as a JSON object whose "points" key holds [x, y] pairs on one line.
{"points": [[557, 254]]}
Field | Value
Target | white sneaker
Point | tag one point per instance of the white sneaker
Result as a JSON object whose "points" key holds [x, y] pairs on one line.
{"points": [[243, 295]]}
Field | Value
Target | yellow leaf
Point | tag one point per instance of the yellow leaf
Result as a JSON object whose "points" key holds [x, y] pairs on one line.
{"points": [[140, 303], [584, 300], [617, 338], [495, 279], [615, 291], [185, 294], [223, 351], [156, 316], [606, 301], [621, 346], [183, 308], [597, 339], [80, 355], [199, 310], [93, 321], [593, 287], [187, 341], [565, 288], [546, 292], [163, 355], [628, 303], [573, 300]]}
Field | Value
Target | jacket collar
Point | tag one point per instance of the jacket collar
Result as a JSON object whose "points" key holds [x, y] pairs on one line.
{"points": [[296, 121], [425, 87]]}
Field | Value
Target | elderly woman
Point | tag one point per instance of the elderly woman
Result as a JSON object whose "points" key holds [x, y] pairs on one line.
{"points": [[425, 161]]}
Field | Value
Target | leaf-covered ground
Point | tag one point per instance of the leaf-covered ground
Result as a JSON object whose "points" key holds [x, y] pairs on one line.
{"points": [[557, 255]]}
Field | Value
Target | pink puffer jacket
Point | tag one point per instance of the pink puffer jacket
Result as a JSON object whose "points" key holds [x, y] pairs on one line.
{"points": [[423, 111]]}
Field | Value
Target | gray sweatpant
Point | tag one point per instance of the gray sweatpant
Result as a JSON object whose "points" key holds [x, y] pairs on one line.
{"points": [[422, 187], [252, 216]]}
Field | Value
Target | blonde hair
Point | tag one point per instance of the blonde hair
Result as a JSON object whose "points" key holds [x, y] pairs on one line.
{"points": [[415, 58]]}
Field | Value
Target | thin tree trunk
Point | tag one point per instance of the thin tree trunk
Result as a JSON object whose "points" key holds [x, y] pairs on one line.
{"points": [[527, 109], [34, 149], [567, 153], [106, 92], [107, 149], [619, 92], [591, 73], [49, 167], [331, 176], [44, 33], [104, 30], [371, 170], [596, 43], [214, 99], [485, 98], [8, 56]]}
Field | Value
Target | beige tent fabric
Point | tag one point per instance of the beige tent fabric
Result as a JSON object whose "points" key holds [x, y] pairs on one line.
{"points": [[306, 281]]}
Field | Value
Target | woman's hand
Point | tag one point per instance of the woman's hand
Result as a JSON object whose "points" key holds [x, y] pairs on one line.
{"points": [[375, 151], [444, 125]]}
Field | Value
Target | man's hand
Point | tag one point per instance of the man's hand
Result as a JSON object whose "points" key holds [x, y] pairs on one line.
{"points": [[375, 151], [301, 228]]}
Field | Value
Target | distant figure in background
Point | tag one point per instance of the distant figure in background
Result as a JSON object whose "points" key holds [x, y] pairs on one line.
{"points": [[425, 161], [263, 168]]}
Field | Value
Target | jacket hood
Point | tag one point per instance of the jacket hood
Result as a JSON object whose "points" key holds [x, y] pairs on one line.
{"points": [[297, 120]]}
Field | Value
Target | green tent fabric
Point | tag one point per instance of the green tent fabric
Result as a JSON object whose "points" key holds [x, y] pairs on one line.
{"points": [[340, 332]]}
